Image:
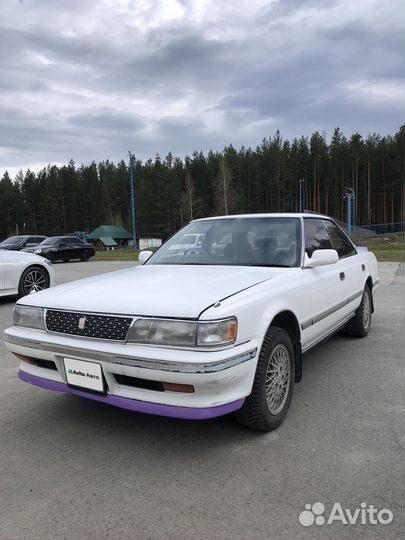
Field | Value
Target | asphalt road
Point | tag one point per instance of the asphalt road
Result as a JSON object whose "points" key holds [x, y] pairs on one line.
{"points": [[77, 469]]}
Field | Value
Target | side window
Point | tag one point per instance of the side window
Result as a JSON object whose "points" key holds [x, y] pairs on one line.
{"points": [[316, 236], [339, 241]]}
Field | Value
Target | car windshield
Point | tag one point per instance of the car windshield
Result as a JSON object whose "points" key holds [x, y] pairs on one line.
{"points": [[51, 241], [188, 239], [264, 241], [13, 240]]}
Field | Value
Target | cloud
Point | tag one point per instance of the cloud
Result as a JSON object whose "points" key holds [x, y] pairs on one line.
{"points": [[89, 80]]}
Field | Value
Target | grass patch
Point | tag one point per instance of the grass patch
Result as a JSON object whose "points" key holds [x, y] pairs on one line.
{"points": [[386, 247]]}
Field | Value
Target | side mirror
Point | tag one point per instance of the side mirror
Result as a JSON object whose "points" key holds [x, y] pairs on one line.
{"points": [[144, 256], [321, 257]]}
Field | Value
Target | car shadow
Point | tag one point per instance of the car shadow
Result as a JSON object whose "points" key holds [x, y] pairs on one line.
{"points": [[12, 299], [83, 424]]}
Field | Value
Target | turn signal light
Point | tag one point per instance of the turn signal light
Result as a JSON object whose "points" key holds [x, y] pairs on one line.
{"points": [[232, 330], [26, 359], [174, 387]]}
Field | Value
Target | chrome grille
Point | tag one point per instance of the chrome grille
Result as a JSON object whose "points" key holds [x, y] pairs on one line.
{"points": [[95, 326]]}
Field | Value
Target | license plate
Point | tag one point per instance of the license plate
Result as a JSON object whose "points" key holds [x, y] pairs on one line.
{"points": [[82, 374]]}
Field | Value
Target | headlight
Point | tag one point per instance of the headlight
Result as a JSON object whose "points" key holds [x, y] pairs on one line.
{"points": [[163, 332], [217, 332], [30, 317], [183, 333]]}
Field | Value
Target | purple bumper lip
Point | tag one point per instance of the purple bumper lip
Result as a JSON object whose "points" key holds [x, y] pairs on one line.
{"points": [[188, 413]]}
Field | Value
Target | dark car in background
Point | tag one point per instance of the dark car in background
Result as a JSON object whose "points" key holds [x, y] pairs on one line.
{"points": [[63, 248], [17, 243]]}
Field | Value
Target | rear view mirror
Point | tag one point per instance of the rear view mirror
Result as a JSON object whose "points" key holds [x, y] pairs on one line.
{"points": [[144, 256], [321, 257]]}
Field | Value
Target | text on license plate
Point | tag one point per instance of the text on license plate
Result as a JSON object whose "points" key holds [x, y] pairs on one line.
{"points": [[84, 374]]}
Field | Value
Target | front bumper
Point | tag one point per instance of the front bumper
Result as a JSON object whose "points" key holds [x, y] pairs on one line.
{"points": [[189, 413], [221, 379]]}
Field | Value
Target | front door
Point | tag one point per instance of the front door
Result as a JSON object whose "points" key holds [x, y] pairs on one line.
{"points": [[324, 293]]}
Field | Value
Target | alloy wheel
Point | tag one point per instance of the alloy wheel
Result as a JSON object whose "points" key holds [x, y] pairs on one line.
{"points": [[34, 281], [278, 379]]}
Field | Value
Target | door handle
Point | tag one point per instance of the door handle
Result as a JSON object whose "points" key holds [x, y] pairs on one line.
{"points": [[342, 276]]}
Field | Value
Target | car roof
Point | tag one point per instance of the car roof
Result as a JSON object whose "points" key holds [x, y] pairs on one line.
{"points": [[267, 215]]}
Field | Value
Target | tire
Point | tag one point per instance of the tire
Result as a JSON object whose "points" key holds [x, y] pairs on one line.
{"points": [[33, 279], [66, 260], [266, 412], [359, 324], [84, 258]]}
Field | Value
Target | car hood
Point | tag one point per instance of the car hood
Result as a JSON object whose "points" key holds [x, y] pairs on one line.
{"points": [[11, 247], [20, 257], [153, 290]]}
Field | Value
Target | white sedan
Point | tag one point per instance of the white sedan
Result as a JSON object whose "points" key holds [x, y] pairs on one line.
{"points": [[23, 273], [203, 333]]}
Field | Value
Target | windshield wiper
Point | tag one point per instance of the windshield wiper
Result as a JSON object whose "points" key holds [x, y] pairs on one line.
{"points": [[271, 265]]}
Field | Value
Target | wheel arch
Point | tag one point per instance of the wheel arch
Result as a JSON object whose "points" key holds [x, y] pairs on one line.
{"points": [[35, 264], [287, 320], [369, 283]]}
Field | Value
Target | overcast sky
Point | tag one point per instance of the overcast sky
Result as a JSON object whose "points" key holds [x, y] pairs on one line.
{"points": [[90, 79]]}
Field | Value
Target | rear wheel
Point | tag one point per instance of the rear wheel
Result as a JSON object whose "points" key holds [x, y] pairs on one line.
{"points": [[272, 390], [33, 279], [359, 325]]}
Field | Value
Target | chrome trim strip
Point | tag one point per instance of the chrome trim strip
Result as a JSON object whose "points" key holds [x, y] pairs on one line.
{"points": [[355, 296], [161, 365], [313, 320]]}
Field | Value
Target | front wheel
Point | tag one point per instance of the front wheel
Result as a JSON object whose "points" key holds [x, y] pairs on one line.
{"points": [[359, 324], [33, 279], [272, 390]]}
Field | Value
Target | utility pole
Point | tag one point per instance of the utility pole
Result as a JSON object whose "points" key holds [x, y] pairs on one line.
{"points": [[350, 197], [132, 182], [301, 186]]}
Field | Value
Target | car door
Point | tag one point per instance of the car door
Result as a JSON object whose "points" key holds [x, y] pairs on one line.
{"points": [[323, 294], [79, 248], [73, 248], [2, 272], [351, 269], [63, 250]]}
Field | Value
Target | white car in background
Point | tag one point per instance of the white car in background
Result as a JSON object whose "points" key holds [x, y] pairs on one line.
{"points": [[187, 244], [205, 332], [24, 273]]}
